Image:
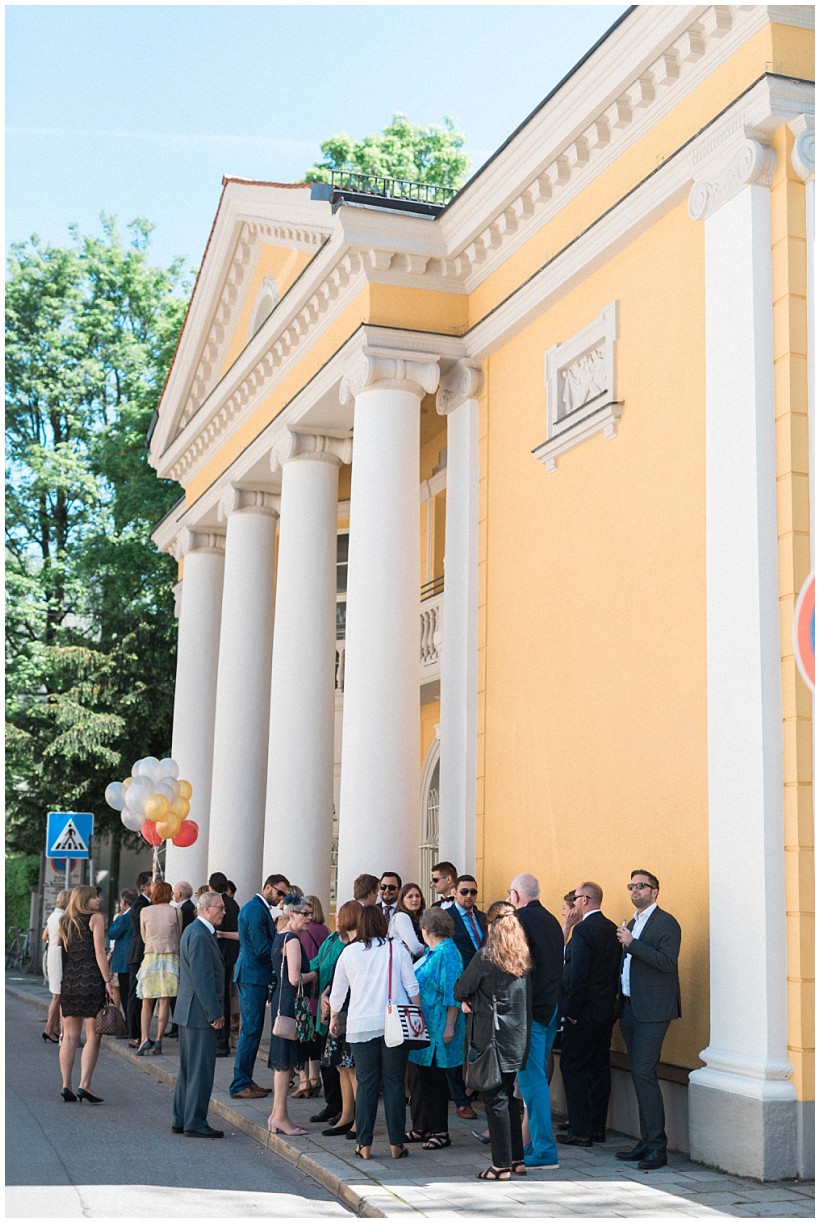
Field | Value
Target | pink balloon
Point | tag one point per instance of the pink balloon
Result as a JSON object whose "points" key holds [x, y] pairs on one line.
{"points": [[187, 834], [149, 831]]}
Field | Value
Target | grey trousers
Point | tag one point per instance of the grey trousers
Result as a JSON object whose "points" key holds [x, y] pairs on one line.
{"points": [[644, 1042], [197, 1062]]}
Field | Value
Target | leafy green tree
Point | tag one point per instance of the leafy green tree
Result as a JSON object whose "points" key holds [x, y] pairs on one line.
{"points": [[403, 149], [90, 634]]}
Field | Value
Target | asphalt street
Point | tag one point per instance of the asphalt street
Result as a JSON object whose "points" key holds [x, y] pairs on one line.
{"points": [[120, 1159]]}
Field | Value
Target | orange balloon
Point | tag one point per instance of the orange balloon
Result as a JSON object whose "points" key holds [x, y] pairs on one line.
{"points": [[157, 807], [126, 782], [181, 807], [185, 788], [169, 827]]}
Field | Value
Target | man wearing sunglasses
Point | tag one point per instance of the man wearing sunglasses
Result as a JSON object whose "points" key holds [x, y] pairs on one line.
{"points": [[650, 1000], [389, 886], [469, 923], [257, 930]]}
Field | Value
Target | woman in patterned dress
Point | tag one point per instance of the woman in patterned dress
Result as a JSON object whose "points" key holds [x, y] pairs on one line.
{"points": [[85, 985], [158, 976]]}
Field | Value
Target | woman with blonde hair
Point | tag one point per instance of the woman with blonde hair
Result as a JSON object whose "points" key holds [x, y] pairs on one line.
{"points": [[311, 938], [158, 977], [85, 985], [495, 987], [54, 968]]}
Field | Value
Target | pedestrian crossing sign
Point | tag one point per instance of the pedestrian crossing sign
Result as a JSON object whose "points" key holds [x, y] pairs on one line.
{"points": [[69, 833]]}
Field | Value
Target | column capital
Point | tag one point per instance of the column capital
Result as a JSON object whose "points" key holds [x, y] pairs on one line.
{"points": [[803, 150], [311, 447], [189, 539], [462, 382], [248, 501], [381, 369], [737, 161]]}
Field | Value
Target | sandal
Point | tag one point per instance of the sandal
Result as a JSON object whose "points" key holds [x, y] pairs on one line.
{"points": [[519, 1167], [362, 1152], [315, 1086], [493, 1174], [303, 1092], [415, 1136], [398, 1152], [436, 1142]]}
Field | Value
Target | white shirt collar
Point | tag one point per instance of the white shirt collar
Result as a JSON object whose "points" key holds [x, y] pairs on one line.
{"points": [[645, 913], [589, 914], [265, 902], [205, 922]]}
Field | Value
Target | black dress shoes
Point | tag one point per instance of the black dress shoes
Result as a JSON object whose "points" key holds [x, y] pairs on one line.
{"points": [[600, 1136], [327, 1115], [210, 1132], [638, 1152], [177, 1129], [574, 1140], [655, 1160]]}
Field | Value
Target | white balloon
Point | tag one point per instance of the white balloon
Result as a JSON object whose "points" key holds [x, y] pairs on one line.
{"points": [[169, 788], [131, 821], [115, 795], [135, 801], [136, 768], [149, 765], [170, 768]]}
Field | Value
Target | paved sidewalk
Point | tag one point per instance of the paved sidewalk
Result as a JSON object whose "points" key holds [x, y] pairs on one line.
{"points": [[588, 1184]]}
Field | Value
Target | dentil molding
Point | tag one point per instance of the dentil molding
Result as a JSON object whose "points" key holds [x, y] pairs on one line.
{"points": [[311, 447], [462, 382], [373, 370], [248, 501], [734, 160]]}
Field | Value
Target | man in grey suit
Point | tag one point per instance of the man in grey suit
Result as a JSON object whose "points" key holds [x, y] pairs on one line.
{"points": [[199, 1016], [650, 1000]]}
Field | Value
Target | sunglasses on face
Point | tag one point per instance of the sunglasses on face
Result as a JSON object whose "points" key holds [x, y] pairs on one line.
{"points": [[468, 891], [388, 887]]}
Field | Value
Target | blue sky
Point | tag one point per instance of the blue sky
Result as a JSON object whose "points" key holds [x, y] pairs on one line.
{"points": [[140, 110]]}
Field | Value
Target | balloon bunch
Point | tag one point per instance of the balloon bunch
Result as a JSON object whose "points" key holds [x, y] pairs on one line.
{"points": [[155, 801]]}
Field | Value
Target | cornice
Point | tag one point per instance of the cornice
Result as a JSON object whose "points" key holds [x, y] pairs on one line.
{"points": [[656, 56], [767, 106]]}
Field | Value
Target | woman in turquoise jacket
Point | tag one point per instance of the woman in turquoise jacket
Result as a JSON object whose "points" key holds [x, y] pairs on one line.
{"points": [[437, 972]]}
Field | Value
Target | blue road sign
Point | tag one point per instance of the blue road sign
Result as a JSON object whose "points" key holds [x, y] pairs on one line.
{"points": [[69, 833]]}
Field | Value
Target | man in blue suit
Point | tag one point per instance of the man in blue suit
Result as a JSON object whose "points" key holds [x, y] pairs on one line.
{"points": [[199, 1016], [257, 930]]}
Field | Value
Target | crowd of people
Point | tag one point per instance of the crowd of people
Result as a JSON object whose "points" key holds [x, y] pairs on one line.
{"points": [[499, 993]]}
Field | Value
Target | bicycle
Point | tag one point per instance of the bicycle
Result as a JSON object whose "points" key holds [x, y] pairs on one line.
{"points": [[18, 953]]}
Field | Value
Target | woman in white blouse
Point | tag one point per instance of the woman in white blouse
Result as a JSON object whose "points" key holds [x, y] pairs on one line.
{"points": [[405, 922], [363, 969], [54, 969]]}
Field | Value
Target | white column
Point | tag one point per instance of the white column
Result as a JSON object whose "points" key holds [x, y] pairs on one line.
{"points": [[742, 1113], [243, 690], [299, 807], [458, 400], [803, 162], [379, 803], [200, 609]]}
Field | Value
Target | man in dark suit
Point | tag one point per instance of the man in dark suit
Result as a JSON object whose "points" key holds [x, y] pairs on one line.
{"points": [[546, 941], [228, 939], [252, 975], [200, 1017], [650, 1000], [591, 993], [469, 922], [443, 879], [145, 881], [389, 887], [182, 898]]}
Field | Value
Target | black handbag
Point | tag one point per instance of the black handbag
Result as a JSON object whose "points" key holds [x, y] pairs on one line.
{"points": [[482, 1067]]}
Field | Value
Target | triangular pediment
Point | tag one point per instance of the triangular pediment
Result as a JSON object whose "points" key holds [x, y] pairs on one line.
{"points": [[262, 238]]}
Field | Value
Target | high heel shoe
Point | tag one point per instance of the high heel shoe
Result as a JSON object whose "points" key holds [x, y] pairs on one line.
{"points": [[145, 1048], [398, 1152], [52, 1040], [68, 1095], [82, 1094], [315, 1087], [276, 1127], [303, 1091], [157, 1049], [362, 1152]]}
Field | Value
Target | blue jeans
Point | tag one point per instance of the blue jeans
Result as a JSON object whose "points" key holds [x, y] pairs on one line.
{"points": [[252, 1002], [532, 1080]]}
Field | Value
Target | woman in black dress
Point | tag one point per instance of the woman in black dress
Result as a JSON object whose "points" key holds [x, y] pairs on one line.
{"points": [[290, 966], [85, 986]]}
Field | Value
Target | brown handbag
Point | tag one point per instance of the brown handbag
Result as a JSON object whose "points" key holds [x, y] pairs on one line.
{"points": [[109, 1020]]}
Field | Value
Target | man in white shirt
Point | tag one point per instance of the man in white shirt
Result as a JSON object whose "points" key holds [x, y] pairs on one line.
{"points": [[650, 1000]]}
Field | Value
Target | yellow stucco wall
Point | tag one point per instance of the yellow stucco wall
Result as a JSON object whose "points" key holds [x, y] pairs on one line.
{"points": [[794, 563], [284, 266], [594, 760]]}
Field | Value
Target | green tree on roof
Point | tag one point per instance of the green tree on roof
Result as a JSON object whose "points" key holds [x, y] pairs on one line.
{"points": [[432, 154]]}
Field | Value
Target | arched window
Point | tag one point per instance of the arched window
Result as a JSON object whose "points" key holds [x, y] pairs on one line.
{"points": [[429, 841], [266, 298]]}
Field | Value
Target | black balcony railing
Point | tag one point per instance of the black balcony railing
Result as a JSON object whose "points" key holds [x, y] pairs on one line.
{"points": [[384, 191], [432, 588]]}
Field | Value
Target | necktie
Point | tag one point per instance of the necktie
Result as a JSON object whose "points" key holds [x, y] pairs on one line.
{"points": [[476, 933]]}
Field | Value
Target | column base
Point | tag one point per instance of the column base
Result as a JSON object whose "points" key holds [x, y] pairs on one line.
{"points": [[738, 1126]]}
